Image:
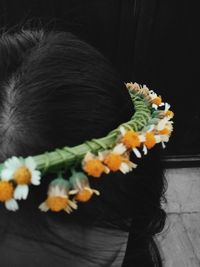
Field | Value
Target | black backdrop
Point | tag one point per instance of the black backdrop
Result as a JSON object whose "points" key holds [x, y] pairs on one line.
{"points": [[151, 42]]}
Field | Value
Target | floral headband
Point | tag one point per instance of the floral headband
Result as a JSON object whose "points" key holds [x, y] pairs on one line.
{"points": [[151, 124]]}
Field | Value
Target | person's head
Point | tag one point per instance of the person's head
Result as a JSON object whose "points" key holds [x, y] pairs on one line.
{"points": [[56, 90]]}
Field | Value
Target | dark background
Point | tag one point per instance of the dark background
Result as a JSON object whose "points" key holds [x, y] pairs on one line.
{"points": [[152, 42]]}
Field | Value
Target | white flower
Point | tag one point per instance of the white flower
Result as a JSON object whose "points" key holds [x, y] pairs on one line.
{"points": [[23, 172]]}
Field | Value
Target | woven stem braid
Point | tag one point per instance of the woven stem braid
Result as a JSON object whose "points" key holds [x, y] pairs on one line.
{"points": [[67, 156]]}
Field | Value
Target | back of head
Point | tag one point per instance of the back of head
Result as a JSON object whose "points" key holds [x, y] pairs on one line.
{"points": [[56, 90]]}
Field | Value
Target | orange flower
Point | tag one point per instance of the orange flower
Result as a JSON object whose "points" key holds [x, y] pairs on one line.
{"points": [[94, 167], [157, 100], [113, 161], [6, 191], [131, 139], [84, 195], [81, 187], [57, 203], [22, 175], [6, 195], [150, 140]]}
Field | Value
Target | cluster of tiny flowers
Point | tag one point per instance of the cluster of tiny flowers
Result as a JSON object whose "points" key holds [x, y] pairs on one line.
{"points": [[157, 131], [15, 178], [63, 195]]}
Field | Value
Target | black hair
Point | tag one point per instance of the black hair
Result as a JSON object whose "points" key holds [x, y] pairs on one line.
{"points": [[57, 90]]}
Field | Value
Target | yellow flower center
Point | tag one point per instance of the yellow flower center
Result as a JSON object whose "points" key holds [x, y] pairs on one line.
{"points": [[94, 167], [131, 139], [6, 191], [150, 140], [57, 203], [84, 195], [165, 131], [169, 113], [22, 175], [113, 161], [157, 100]]}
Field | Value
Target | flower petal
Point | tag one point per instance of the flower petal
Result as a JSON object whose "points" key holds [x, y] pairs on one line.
{"points": [[124, 168], [68, 209], [142, 138], [43, 207], [13, 163], [88, 156], [163, 145], [151, 128], [30, 163], [36, 177], [6, 174], [158, 138], [137, 152], [119, 148], [122, 130], [106, 170], [154, 106], [145, 150], [162, 123], [167, 107], [21, 191], [73, 204], [132, 165], [11, 204]]}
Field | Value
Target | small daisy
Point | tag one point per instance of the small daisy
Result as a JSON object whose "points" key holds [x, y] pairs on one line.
{"points": [[149, 140], [93, 166], [131, 139], [23, 172], [58, 197], [81, 187], [164, 132], [163, 124], [6, 195], [118, 159], [167, 129]]}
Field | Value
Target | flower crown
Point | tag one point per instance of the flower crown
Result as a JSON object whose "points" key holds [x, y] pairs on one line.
{"points": [[150, 124]]}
